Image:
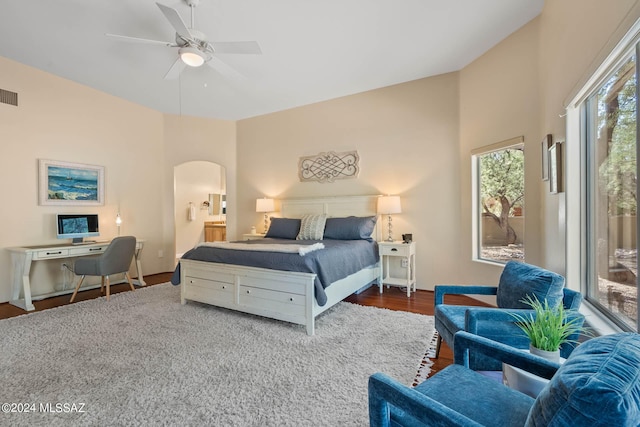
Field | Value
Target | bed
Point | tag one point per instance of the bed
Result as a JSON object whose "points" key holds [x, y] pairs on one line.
{"points": [[257, 281]]}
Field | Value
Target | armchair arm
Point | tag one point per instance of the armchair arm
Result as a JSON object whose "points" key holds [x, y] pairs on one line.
{"points": [[441, 290], [474, 315], [463, 342], [385, 391]]}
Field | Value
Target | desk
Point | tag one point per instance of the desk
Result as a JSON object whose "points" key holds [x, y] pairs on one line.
{"points": [[21, 258]]}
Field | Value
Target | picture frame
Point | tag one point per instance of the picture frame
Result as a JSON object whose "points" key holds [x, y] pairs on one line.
{"points": [[70, 184], [555, 168], [544, 151]]}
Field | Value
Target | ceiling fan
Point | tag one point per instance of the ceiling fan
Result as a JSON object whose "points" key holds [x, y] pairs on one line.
{"points": [[193, 47]]}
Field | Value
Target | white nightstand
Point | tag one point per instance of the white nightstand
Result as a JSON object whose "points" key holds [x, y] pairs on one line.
{"points": [[252, 236], [406, 251]]}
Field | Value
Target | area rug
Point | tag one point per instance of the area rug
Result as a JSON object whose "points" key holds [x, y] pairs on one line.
{"points": [[145, 359]]}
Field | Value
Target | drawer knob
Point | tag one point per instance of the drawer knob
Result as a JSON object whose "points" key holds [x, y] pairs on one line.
{"points": [[394, 249], [248, 292], [291, 299], [224, 287]]}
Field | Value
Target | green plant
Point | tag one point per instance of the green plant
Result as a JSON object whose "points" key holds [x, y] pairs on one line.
{"points": [[548, 327]]}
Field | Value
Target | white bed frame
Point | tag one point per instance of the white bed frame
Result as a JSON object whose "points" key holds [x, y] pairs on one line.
{"points": [[282, 295]]}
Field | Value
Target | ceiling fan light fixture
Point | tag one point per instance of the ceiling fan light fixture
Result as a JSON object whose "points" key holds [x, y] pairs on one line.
{"points": [[191, 56]]}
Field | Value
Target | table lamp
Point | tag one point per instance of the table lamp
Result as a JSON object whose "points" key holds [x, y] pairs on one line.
{"points": [[388, 205], [265, 205]]}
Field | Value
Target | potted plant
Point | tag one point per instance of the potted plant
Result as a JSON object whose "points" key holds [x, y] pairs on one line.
{"points": [[547, 328]]}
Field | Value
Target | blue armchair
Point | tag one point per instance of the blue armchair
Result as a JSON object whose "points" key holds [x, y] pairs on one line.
{"points": [[598, 385], [516, 282]]}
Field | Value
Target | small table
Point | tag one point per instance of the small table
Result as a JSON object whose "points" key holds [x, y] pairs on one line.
{"points": [[407, 253]]}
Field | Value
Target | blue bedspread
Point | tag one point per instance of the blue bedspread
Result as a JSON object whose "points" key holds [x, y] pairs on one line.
{"points": [[339, 259]]}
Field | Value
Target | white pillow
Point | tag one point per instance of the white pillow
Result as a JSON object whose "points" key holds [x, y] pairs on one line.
{"points": [[312, 227]]}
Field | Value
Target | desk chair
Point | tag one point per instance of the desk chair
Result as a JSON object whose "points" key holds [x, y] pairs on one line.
{"points": [[115, 259]]}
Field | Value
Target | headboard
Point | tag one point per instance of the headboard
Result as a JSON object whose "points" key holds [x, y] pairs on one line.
{"points": [[338, 206]]}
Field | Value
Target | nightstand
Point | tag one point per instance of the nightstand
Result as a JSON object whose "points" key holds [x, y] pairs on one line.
{"points": [[252, 236], [407, 253]]}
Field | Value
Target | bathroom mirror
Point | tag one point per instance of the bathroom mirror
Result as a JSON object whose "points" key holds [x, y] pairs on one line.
{"points": [[217, 204]]}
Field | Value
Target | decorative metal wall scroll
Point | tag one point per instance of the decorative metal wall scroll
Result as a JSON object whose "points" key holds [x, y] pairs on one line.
{"points": [[329, 166]]}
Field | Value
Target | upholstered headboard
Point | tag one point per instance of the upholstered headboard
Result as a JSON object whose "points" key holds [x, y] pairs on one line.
{"points": [[338, 206]]}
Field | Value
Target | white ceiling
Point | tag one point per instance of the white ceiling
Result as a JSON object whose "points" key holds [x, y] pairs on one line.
{"points": [[312, 50]]}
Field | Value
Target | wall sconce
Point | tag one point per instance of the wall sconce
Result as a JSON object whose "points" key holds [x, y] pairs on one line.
{"points": [[118, 222], [265, 205], [388, 205]]}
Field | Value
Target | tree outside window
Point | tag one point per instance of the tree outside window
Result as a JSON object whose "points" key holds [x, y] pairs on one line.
{"points": [[500, 204]]}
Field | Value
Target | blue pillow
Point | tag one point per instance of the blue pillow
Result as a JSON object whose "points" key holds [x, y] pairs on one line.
{"points": [[283, 228], [349, 228], [598, 385], [519, 280]]}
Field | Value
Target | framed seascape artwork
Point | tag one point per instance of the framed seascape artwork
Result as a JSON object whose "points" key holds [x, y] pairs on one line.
{"points": [[70, 184]]}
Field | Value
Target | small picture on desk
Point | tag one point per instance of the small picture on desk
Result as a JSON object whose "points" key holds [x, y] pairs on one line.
{"points": [[70, 184], [407, 238]]}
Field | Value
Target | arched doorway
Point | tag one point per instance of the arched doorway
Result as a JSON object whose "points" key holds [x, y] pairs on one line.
{"points": [[194, 184]]}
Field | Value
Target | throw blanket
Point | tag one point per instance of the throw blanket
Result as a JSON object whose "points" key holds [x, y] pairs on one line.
{"points": [[301, 250]]}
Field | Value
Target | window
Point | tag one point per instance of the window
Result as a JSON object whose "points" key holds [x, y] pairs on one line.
{"points": [[498, 172], [611, 214], [602, 174]]}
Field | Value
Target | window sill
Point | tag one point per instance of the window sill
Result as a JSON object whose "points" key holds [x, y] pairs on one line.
{"points": [[600, 324]]}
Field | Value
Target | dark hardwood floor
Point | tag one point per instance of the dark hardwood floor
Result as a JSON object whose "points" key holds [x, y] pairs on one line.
{"points": [[393, 298]]}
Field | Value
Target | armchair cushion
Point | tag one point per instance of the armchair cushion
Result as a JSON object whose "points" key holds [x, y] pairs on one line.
{"points": [[519, 280], [599, 385]]}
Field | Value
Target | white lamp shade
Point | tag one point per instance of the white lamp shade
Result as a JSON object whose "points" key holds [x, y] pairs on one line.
{"points": [[191, 56], [389, 205], [265, 205], [118, 220]]}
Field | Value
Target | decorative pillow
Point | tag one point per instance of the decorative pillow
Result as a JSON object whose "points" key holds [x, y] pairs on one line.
{"points": [[349, 228], [312, 227], [598, 385], [519, 280], [283, 228]]}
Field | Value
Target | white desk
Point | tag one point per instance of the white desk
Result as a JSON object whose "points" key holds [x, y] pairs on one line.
{"points": [[22, 257]]}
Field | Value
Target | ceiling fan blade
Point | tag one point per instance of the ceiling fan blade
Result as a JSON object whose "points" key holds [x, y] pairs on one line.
{"points": [[225, 70], [139, 40], [236, 47], [176, 21], [175, 69]]}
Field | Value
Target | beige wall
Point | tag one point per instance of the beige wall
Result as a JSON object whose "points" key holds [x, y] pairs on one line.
{"points": [[499, 100], [188, 139], [60, 120], [407, 139], [414, 139], [576, 36]]}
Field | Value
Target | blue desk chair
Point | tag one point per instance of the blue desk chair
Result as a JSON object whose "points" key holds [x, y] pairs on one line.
{"points": [[516, 282], [598, 385]]}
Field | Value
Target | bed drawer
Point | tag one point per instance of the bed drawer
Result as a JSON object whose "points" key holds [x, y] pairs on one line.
{"points": [[195, 288], [272, 300], [197, 272]]}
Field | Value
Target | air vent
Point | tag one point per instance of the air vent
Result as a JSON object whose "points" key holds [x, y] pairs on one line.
{"points": [[8, 97]]}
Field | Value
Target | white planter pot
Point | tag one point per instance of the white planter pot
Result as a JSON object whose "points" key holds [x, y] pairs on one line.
{"points": [[526, 382], [553, 356]]}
